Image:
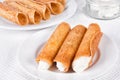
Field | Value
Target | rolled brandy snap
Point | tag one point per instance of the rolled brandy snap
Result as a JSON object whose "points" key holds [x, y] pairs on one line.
{"points": [[54, 6], [87, 49], [13, 15], [33, 15], [68, 49], [50, 49], [42, 8]]}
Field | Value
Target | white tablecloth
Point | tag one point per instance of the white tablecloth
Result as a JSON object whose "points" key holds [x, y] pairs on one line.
{"points": [[10, 41]]}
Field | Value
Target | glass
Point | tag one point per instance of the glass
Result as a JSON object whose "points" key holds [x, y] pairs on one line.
{"points": [[103, 9]]}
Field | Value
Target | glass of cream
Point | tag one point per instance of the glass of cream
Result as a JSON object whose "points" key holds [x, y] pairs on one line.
{"points": [[103, 9]]}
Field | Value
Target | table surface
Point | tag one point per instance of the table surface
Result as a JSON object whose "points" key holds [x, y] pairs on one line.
{"points": [[11, 40]]}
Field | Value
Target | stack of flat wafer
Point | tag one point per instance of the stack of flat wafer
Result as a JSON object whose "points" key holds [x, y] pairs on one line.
{"points": [[25, 12], [70, 48]]}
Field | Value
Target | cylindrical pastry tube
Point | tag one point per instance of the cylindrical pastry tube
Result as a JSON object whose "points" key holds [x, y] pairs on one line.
{"points": [[87, 49], [43, 9], [33, 15], [54, 6], [49, 51], [13, 15], [68, 49]]}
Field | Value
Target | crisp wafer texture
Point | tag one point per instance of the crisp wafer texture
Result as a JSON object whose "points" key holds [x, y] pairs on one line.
{"points": [[87, 48], [69, 47], [41, 8], [13, 15], [54, 6], [33, 15], [84, 48], [50, 49], [32, 10]]}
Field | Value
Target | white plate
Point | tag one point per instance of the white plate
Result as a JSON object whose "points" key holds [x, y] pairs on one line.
{"points": [[27, 53], [55, 19]]}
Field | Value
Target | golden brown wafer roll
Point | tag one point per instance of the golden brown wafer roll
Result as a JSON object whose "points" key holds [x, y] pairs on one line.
{"points": [[49, 51], [68, 49], [54, 6], [42, 8], [87, 49], [33, 15], [13, 15]]}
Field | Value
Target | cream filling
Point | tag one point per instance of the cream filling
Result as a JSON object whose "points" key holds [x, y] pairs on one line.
{"points": [[81, 64], [60, 66], [43, 65]]}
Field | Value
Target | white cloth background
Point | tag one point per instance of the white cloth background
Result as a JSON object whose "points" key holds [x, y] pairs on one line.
{"points": [[10, 41]]}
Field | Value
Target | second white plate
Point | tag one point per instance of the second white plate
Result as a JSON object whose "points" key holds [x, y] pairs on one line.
{"points": [[28, 51], [69, 11]]}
